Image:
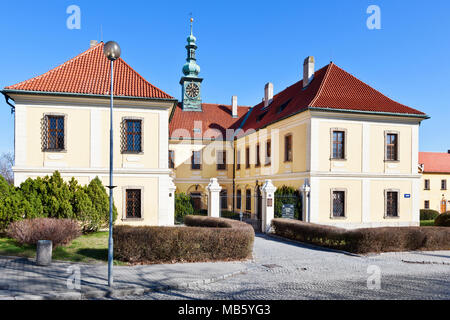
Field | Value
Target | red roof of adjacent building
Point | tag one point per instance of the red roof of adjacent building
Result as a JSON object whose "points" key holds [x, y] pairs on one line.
{"points": [[89, 73], [212, 119], [436, 162], [331, 88]]}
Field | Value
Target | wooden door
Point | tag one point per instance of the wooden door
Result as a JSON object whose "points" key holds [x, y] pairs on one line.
{"points": [[443, 206]]}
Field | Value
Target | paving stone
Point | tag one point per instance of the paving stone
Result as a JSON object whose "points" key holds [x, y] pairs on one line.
{"points": [[279, 270], [287, 270]]}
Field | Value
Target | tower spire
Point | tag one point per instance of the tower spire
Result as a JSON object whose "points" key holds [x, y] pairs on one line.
{"points": [[190, 82]]}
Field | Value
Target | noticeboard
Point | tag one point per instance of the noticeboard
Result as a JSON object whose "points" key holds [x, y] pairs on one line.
{"points": [[287, 211]]}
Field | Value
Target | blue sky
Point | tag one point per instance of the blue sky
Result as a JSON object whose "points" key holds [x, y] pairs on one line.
{"points": [[243, 45]]}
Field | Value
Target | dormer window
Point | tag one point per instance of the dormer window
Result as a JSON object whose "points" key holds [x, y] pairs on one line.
{"points": [[261, 116], [283, 106]]}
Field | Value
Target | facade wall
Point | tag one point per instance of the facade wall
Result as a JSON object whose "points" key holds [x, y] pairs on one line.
{"points": [[435, 195], [364, 173]]}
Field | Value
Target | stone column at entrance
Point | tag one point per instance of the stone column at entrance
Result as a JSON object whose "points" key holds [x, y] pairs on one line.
{"points": [[171, 204], [214, 198], [305, 189], [268, 204]]}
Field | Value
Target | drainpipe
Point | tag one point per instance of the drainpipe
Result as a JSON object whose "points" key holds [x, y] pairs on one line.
{"points": [[234, 174], [7, 98]]}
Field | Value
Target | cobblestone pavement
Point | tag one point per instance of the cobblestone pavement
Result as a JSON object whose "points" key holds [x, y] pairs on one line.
{"points": [[288, 270], [22, 278]]}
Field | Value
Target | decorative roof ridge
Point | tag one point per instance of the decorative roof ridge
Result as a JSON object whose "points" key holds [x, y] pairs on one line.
{"points": [[322, 84]]}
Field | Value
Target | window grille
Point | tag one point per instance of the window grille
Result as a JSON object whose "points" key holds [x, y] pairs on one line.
{"points": [[133, 203]]}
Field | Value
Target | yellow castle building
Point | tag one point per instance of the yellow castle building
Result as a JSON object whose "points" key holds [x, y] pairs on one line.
{"points": [[435, 169], [349, 151], [62, 123]]}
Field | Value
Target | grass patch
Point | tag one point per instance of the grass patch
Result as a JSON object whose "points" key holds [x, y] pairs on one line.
{"points": [[91, 248], [427, 223]]}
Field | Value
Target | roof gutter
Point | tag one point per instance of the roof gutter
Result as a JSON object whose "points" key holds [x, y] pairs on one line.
{"points": [[69, 94], [411, 115], [7, 98]]}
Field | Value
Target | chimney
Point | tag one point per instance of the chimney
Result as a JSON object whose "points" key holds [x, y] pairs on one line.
{"points": [[308, 70], [268, 93], [234, 107], [92, 43]]}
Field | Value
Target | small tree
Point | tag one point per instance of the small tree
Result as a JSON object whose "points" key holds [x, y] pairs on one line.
{"points": [[183, 206], [100, 202]]}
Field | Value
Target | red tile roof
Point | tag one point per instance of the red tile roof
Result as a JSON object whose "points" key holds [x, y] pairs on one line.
{"points": [[331, 88], [212, 116], [436, 162], [89, 73]]}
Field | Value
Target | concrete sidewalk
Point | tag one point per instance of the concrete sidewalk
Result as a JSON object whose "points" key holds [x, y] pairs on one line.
{"points": [[21, 278]]}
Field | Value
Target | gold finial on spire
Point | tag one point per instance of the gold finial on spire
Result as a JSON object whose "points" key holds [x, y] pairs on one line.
{"points": [[192, 20]]}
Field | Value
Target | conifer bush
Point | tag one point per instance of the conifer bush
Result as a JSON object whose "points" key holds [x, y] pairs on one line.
{"points": [[52, 197], [183, 207], [287, 195]]}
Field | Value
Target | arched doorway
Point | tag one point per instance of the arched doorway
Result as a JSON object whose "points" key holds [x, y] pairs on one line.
{"points": [[198, 198]]}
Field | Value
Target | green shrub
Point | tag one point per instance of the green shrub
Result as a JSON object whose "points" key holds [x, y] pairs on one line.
{"points": [[365, 240], [183, 206], [52, 197], [443, 220], [203, 239], [287, 195], [428, 214], [13, 206], [99, 216], [30, 231], [229, 214], [201, 212]]}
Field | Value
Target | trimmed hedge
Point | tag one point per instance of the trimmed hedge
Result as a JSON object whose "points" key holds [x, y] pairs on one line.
{"points": [[203, 239], [365, 240], [428, 214], [443, 220]]}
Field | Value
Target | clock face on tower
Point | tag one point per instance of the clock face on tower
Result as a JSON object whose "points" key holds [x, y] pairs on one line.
{"points": [[192, 90]]}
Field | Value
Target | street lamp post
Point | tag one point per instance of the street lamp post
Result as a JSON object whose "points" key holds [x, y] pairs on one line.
{"points": [[112, 52]]}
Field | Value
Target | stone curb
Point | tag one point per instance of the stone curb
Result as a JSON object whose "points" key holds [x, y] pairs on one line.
{"points": [[114, 293], [313, 246]]}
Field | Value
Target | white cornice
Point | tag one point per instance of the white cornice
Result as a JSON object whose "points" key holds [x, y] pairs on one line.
{"points": [[101, 171]]}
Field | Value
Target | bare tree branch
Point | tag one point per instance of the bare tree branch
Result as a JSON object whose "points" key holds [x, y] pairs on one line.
{"points": [[6, 163]]}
